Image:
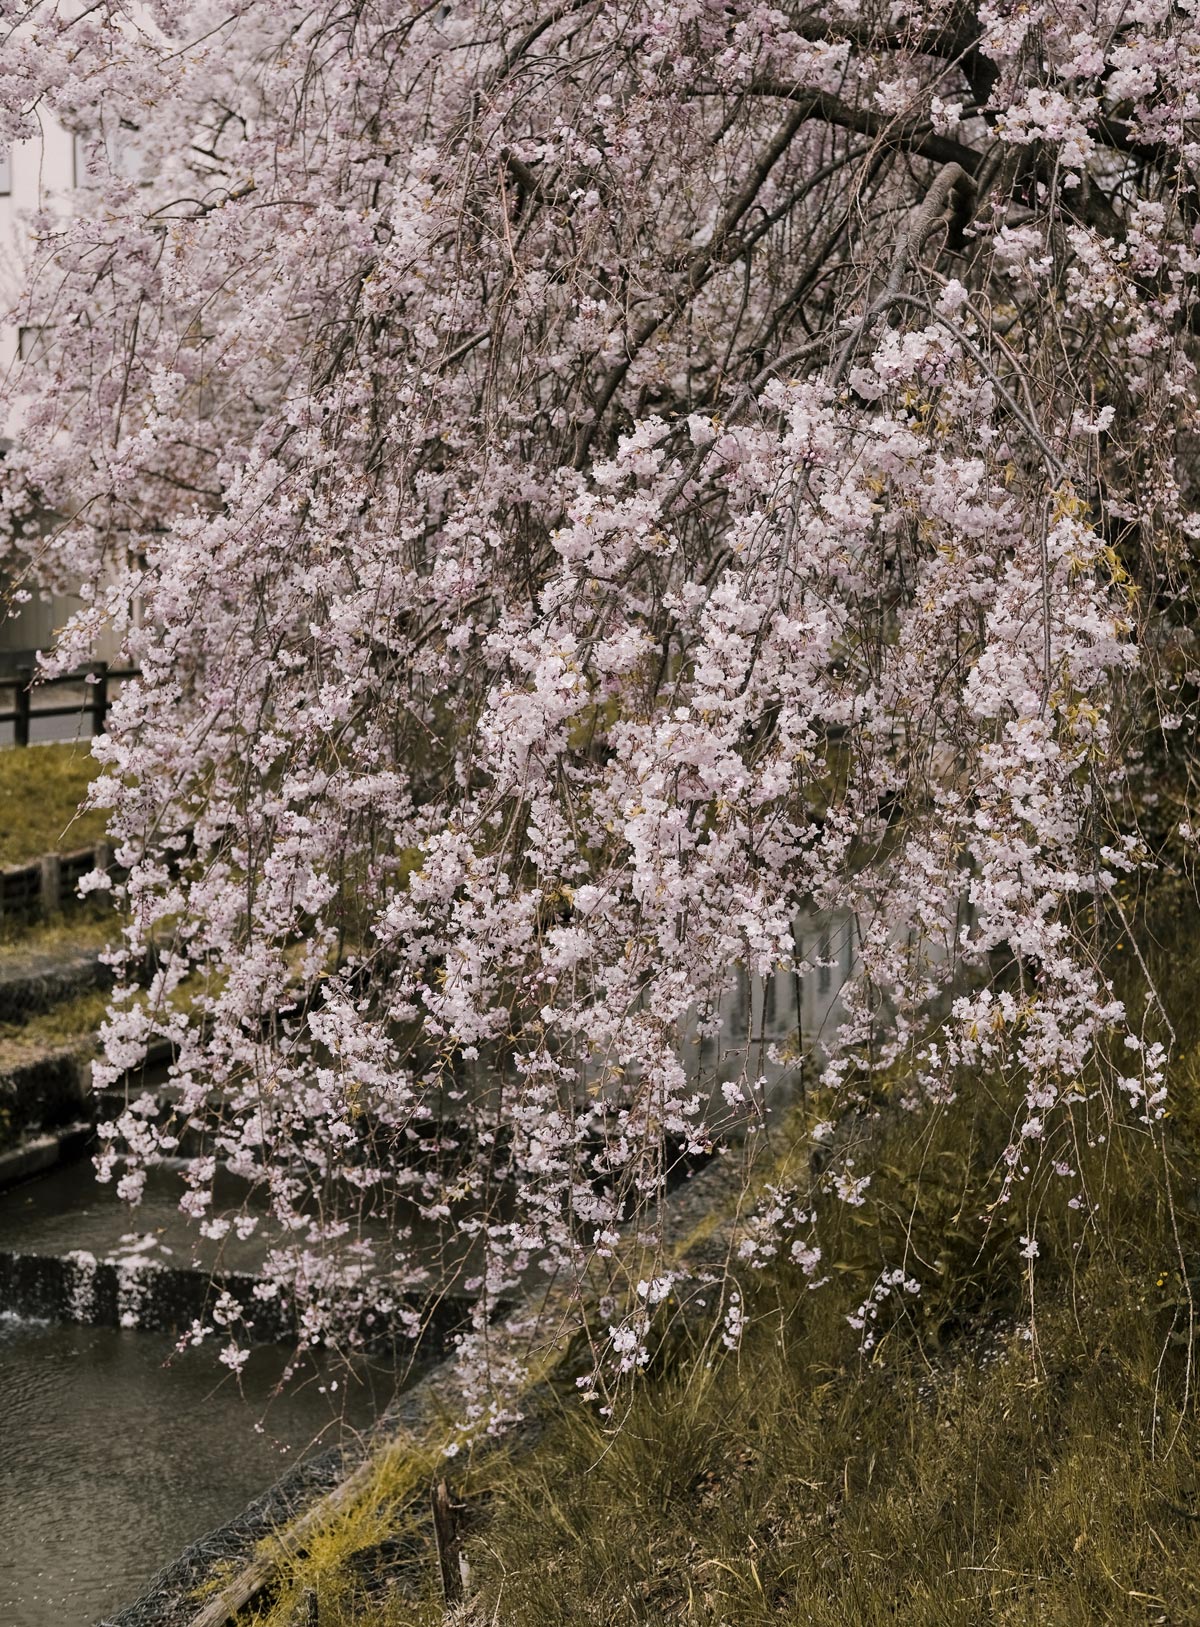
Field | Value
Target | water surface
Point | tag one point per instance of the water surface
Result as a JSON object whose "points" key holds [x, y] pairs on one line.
{"points": [[115, 1453]]}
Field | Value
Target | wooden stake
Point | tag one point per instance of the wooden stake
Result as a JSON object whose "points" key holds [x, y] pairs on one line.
{"points": [[449, 1543]]}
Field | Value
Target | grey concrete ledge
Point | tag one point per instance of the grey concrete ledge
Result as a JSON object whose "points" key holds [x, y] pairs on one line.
{"points": [[32, 981], [38, 1153]]}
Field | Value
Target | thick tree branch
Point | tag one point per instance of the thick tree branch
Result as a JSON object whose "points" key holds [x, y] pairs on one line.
{"points": [[913, 135]]}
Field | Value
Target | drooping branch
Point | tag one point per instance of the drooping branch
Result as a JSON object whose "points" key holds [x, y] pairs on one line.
{"points": [[506, 741], [948, 204]]}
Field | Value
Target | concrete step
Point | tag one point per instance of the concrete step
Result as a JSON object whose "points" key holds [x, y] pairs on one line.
{"points": [[134, 1292], [33, 981], [35, 1154], [43, 1093]]}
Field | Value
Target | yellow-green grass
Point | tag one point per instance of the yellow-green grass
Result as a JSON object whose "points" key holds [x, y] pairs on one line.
{"points": [[41, 788], [91, 924], [73, 1024], [1019, 1446], [995, 1458], [1007, 1452]]}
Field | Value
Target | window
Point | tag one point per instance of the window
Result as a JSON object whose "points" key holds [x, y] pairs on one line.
{"points": [[117, 148], [31, 343]]}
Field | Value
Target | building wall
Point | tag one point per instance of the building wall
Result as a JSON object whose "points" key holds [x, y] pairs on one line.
{"points": [[39, 174], [34, 175]]}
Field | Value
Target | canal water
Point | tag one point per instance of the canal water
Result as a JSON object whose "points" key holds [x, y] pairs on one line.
{"points": [[68, 1209], [116, 1453]]}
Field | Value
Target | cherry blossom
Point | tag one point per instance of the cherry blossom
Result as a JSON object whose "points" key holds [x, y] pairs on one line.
{"points": [[582, 489]]}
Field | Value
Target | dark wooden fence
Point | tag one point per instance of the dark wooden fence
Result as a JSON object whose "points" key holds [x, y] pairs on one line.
{"points": [[34, 891], [94, 679], [49, 884]]}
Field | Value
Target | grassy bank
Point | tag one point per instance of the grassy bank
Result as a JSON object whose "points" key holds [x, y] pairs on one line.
{"points": [[1006, 1452], [41, 788], [1040, 1470], [1018, 1446]]}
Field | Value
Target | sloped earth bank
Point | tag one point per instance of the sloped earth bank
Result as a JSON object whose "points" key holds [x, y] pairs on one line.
{"points": [[991, 1458], [1014, 1446]]}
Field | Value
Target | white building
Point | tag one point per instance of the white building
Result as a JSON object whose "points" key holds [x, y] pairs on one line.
{"points": [[34, 175]]}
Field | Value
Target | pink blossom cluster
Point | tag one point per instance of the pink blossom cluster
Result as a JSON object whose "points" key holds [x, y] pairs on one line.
{"points": [[583, 486]]}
